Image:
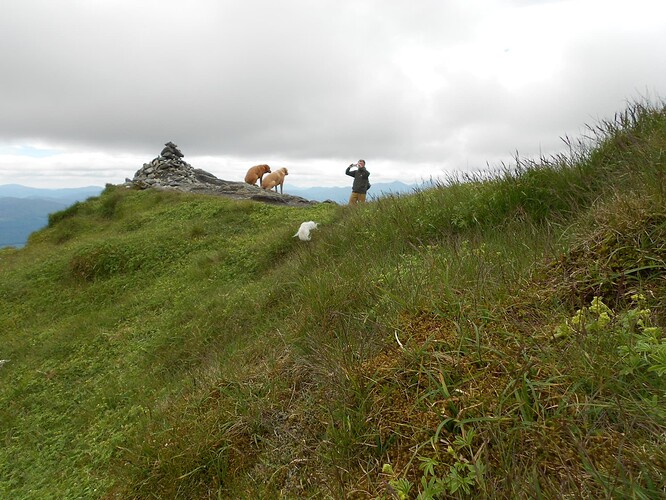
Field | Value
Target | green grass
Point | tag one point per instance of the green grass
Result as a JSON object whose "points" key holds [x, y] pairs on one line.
{"points": [[441, 344]]}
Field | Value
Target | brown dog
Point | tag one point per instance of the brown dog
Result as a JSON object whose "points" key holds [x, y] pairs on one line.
{"points": [[256, 173], [275, 179]]}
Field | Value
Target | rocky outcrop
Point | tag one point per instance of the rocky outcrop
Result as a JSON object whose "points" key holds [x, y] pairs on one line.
{"points": [[170, 171]]}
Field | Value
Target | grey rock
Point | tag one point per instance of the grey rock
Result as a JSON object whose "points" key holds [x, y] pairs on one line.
{"points": [[170, 172]]}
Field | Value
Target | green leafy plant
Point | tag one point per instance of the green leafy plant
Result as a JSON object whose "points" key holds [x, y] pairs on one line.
{"points": [[400, 486], [646, 348], [592, 319], [643, 346], [462, 476]]}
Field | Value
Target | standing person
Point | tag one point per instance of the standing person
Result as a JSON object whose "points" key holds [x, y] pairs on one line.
{"points": [[361, 183]]}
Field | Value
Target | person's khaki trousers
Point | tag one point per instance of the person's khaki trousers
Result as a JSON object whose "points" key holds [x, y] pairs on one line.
{"points": [[356, 198]]}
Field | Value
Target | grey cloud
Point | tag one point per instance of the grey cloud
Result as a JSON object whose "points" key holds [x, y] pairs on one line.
{"points": [[274, 76], [298, 80]]}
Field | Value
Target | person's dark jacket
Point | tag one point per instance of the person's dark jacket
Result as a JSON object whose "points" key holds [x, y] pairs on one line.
{"points": [[360, 175]]}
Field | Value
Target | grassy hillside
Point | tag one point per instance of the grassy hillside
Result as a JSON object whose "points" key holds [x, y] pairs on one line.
{"points": [[494, 337]]}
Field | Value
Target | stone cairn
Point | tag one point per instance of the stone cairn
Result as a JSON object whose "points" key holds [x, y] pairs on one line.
{"points": [[167, 170], [170, 171]]}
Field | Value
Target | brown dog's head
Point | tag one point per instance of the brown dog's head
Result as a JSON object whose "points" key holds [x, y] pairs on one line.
{"points": [[265, 169]]}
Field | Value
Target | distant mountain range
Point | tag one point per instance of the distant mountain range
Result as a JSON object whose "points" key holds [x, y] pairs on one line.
{"points": [[341, 194], [24, 210], [63, 195]]}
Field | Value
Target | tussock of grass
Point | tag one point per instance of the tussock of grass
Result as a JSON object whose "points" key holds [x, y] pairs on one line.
{"points": [[497, 336]]}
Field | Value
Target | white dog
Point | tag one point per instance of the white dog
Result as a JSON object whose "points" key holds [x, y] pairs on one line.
{"points": [[304, 231]]}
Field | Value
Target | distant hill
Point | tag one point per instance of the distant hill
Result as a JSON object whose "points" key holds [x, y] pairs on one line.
{"points": [[19, 217], [24, 210], [341, 194], [67, 195]]}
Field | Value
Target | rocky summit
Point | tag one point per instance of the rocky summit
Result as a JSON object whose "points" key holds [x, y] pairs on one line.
{"points": [[170, 171]]}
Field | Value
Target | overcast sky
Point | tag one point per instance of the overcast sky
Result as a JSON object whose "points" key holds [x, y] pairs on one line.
{"points": [[92, 89]]}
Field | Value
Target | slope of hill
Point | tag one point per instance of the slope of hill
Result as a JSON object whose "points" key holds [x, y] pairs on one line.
{"points": [[492, 338], [24, 210]]}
